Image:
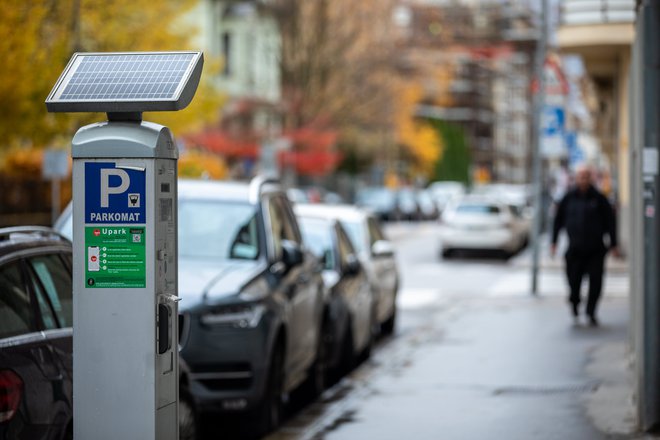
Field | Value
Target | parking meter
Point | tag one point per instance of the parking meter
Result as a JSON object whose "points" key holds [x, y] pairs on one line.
{"points": [[125, 336]]}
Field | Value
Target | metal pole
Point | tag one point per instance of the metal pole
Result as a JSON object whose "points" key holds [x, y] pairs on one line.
{"points": [[55, 198], [539, 102]]}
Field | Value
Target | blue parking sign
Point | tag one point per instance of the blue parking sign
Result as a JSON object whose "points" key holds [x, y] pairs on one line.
{"points": [[553, 121], [114, 194]]}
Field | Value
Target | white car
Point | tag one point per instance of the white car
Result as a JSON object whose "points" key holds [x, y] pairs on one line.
{"points": [[482, 223], [375, 252], [445, 192]]}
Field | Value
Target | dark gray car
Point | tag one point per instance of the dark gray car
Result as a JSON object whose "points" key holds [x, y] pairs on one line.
{"points": [[251, 299]]}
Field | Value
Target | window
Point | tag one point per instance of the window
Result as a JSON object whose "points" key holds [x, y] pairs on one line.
{"points": [[283, 225], [292, 233], [317, 234], [218, 230], [345, 247], [226, 54], [375, 234], [276, 227], [54, 287], [357, 231], [15, 312]]}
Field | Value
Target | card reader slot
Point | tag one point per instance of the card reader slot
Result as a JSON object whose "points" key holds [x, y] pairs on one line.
{"points": [[164, 337]]}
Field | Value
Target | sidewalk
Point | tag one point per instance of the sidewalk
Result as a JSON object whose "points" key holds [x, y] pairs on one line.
{"points": [[499, 369], [524, 258], [485, 367]]}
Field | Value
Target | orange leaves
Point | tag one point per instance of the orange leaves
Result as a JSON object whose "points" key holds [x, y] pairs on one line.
{"points": [[200, 164]]}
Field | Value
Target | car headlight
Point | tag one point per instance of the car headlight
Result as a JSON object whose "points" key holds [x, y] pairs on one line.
{"points": [[255, 291], [238, 316]]}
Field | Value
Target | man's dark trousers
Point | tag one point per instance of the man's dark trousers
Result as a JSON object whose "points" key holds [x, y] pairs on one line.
{"points": [[578, 265]]}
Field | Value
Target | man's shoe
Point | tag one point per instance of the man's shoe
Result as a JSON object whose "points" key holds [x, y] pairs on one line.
{"points": [[593, 321], [576, 312]]}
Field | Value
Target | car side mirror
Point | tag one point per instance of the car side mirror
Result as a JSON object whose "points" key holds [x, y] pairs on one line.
{"points": [[382, 248], [291, 253], [352, 265]]}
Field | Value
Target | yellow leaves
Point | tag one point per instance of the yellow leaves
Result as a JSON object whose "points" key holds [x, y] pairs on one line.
{"points": [[197, 164], [22, 162], [37, 38], [422, 141]]}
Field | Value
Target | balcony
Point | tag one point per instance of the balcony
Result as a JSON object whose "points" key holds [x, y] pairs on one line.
{"points": [[585, 12], [599, 30]]}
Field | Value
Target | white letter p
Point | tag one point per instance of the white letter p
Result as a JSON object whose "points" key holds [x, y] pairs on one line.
{"points": [[106, 189]]}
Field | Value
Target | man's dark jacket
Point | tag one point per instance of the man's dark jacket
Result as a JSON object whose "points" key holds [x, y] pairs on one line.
{"points": [[587, 217]]}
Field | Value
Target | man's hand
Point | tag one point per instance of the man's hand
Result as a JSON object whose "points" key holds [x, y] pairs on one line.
{"points": [[553, 250], [616, 252]]}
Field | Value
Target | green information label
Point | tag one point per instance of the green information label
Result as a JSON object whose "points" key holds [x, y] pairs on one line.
{"points": [[115, 257]]}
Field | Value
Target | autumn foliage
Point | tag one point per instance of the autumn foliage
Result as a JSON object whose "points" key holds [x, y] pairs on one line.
{"points": [[421, 140], [37, 38]]}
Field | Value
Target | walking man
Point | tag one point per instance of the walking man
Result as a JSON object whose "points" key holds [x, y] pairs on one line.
{"points": [[587, 216]]}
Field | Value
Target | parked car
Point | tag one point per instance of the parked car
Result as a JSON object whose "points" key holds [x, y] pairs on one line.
{"points": [[407, 205], [445, 192], [297, 195], [482, 223], [350, 306], [428, 209], [380, 201], [35, 334], [376, 254], [251, 299]]}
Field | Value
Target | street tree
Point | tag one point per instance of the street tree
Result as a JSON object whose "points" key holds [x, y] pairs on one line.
{"points": [[37, 38], [337, 70]]}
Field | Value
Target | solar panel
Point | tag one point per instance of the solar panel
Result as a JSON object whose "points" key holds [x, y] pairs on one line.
{"points": [[127, 82]]}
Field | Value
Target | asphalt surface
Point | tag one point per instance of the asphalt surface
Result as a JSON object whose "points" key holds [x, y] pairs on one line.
{"points": [[475, 356]]}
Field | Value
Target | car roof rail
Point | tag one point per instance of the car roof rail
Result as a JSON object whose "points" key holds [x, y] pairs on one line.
{"points": [[257, 184], [40, 230]]}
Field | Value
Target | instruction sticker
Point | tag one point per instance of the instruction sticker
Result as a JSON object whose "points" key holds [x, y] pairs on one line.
{"points": [[115, 257]]}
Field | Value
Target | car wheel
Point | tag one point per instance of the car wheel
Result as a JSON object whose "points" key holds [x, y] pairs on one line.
{"points": [[269, 412], [387, 327], [374, 329], [348, 357], [187, 416], [318, 371], [446, 253]]}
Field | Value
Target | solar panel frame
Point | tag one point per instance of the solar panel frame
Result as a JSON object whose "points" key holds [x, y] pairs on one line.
{"points": [[73, 90]]}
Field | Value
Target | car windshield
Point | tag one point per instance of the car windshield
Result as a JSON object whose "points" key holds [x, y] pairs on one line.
{"points": [[357, 233], [317, 234], [217, 230], [474, 208], [375, 197]]}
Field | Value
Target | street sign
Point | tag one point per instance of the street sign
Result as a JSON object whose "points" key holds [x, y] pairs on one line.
{"points": [[55, 164], [114, 194], [553, 121], [553, 144]]}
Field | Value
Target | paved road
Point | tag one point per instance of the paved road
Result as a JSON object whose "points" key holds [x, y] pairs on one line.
{"points": [[476, 357]]}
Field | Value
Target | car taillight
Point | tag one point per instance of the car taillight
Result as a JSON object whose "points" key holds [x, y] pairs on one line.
{"points": [[11, 388]]}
